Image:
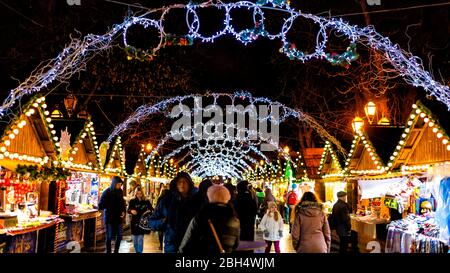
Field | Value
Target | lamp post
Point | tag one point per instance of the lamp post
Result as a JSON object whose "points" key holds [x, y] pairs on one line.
{"points": [[357, 124], [370, 109], [148, 147]]}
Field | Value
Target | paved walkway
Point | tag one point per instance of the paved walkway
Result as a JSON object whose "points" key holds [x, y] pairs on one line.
{"points": [[151, 243]]}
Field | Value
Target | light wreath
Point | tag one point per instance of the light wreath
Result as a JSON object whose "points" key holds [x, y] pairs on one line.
{"points": [[74, 57], [144, 111], [225, 156]]}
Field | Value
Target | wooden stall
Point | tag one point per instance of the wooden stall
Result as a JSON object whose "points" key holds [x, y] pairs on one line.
{"points": [[79, 153], [331, 177], [422, 154], [27, 150], [367, 160]]}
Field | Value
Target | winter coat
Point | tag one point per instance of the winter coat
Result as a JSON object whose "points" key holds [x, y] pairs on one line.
{"points": [[140, 206], [113, 203], [341, 218], [199, 238], [310, 231], [274, 228], [173, 215], [246, 210]]}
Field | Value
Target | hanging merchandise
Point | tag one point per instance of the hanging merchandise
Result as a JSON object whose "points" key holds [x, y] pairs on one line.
{"points": [[414, 234]]}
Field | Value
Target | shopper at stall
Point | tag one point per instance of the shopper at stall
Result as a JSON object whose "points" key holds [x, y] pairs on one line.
{"points": [[245, 206], [113, 203], [175, 211], [138, 205], [310, 229], [340, 218], [216, 218], [272, 227]]}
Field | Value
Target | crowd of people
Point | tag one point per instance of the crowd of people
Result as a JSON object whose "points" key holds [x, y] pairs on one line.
{"points": [[216, 217]]}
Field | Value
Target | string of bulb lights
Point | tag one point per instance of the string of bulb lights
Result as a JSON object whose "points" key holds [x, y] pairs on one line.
{"points": [[73, 58]]}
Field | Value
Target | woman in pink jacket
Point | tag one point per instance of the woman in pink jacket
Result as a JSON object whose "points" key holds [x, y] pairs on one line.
{"points": [[310, 229]]}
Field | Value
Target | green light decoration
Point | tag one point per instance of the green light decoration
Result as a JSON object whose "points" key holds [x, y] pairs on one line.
{"points": [[288, 174]]}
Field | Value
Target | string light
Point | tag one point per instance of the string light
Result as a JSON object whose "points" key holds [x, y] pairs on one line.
{"points": [[73, 58], [428, 120], [285, 112]]}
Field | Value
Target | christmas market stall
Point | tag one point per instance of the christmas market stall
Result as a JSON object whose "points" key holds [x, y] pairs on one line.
{"points": [[27, 150], [114, 164], [368, 179], [423, 155], [332, 177], [78, 195]]}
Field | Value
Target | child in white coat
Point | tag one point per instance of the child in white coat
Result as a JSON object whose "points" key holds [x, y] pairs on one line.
{"points": [[272, 226]]}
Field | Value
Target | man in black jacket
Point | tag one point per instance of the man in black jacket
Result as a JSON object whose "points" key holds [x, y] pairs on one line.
{"points": [[217, 215], [340, 220], [113, 203]]}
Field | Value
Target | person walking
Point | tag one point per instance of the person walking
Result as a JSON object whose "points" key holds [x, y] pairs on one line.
{"points": [[175, 211], [216, 218], [272, 227], [340, 218], [246, 210], [138, 205], [291, 202], [310, 229], [163, 192], [113, 203]]}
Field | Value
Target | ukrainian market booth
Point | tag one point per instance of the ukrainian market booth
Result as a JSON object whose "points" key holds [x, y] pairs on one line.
{"points": [[78, 195], [331, 177], [368, 179], [27, 224], [423, 155]]}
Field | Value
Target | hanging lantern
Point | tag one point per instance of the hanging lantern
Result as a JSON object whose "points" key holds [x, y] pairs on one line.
{"points": [[56, 113], [70, 102], [370, 110], [384, 121], [357, 124]]}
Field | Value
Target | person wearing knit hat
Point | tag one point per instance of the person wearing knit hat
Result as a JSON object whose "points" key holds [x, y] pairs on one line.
{"points": [[215, 228]]}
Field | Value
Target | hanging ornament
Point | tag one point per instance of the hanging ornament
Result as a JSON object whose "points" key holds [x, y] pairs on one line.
{"points": [[64, 144]]}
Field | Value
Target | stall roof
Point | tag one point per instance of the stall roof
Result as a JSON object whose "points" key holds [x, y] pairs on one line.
{"points": [[425, 139], [31, 141]]}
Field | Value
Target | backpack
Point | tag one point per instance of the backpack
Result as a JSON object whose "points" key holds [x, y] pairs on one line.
{"points": [[292, 198]]}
